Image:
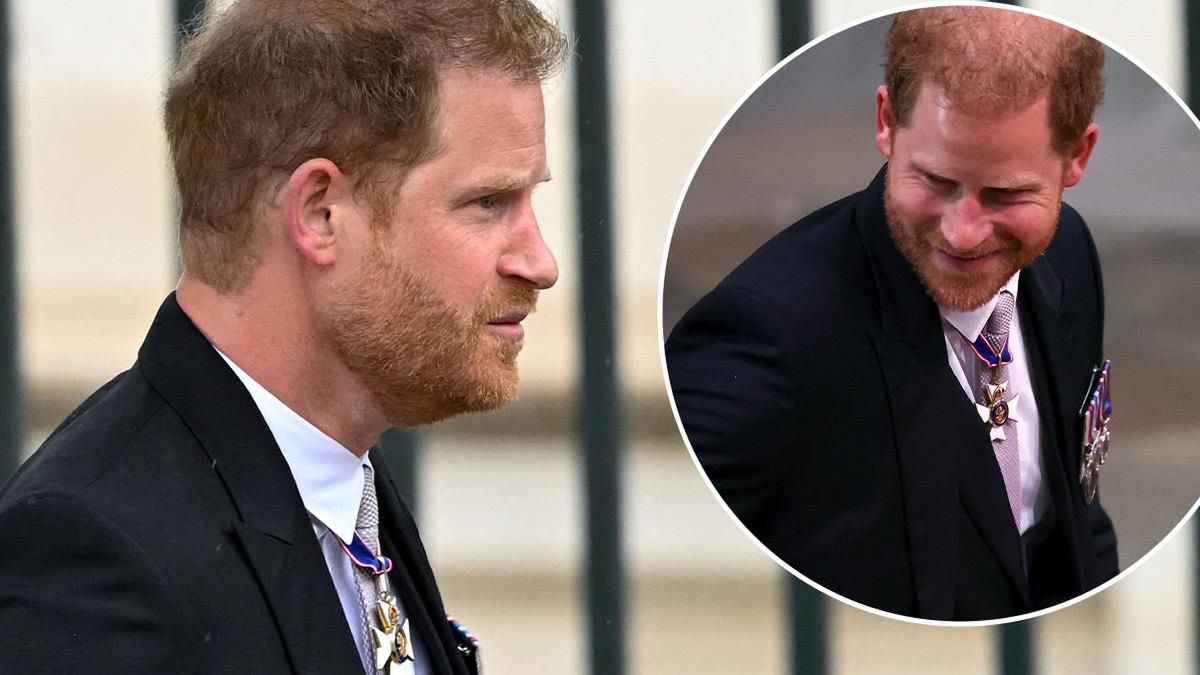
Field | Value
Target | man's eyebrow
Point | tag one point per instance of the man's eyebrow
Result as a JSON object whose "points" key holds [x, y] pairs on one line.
{"points": [[1018, 183], [508, 182], [929, 171]]}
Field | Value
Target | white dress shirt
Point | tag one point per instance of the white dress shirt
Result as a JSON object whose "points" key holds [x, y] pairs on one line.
{"points": [[330, 480], [955, 325]]}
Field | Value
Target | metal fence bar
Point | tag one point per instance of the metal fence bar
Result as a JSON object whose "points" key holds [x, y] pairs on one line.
{"points": [[1192, 62], [401, 451], [1016, 648], [793, 25], [808, 650], [186, 13], [809, 639], [12, 436], [1192, 56], [599, 405]]}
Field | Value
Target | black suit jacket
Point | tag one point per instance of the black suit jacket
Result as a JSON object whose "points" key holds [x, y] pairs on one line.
{"points": [[814, 388], [159, 530]]}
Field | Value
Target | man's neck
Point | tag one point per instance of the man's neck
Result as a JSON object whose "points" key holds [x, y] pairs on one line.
{"points": [[274, 339]]}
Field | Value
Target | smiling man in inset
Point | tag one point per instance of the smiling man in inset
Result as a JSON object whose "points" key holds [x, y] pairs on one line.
{"points": [[359, 250], [887, 393]]}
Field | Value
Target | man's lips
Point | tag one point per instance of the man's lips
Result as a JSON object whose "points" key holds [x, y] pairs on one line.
{"points": [[971, 262], [509, 325]]}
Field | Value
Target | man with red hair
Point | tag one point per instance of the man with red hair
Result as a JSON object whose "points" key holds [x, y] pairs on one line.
{"points": [[887, 393], [359, 250]]}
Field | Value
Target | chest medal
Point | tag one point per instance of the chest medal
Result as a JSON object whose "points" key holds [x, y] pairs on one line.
{"points": [[1096, 412], [391, 643]]}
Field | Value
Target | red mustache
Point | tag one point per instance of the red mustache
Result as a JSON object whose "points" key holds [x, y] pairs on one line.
{"points": [[507, 301], [984, 248]]}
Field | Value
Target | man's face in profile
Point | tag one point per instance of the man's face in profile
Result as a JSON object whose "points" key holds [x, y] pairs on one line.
{"points": [[431, 323], [970, 198]]}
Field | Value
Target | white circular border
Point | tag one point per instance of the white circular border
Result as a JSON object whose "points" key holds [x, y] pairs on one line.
{"points": [[662, 338]]}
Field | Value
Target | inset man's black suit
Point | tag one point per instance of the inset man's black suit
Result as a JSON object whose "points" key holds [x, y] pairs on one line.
{"points": [[159, 530], [814, 387]]}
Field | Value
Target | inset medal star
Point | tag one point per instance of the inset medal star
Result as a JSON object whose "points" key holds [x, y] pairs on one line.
{"points": [[998, 410], [401, 641], [391, 647]]}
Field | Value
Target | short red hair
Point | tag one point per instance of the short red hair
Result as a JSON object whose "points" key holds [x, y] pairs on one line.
{"points": [[267, 84], [994, 60]]}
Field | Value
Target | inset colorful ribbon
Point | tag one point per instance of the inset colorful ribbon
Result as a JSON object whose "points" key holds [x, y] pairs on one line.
{"points": [[362, 556]]}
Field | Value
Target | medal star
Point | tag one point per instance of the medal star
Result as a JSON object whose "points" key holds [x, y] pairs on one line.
{"points": [[389, 614], [995, 392], [996, 433], [384, 645], [402, 645]]}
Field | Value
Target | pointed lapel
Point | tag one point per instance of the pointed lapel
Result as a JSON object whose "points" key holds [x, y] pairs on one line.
{"points": [[1052, 359], [274, 531], [413, 576], [945, 456], [308, 615]]}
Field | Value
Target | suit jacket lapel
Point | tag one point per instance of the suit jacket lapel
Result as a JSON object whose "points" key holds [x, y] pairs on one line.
{"points": [[945, 455], [413, 576], [274, 531]]}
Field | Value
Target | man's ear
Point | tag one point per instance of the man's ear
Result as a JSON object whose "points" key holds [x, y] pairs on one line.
{"points": [[884, 121], [1081, 152], [311, 199]]}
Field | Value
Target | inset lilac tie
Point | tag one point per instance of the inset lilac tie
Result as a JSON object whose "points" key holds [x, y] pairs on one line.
{"points": [[995, 401]]}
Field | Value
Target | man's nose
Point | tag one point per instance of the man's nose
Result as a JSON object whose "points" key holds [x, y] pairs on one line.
{"points": [[964, 225], [528, 256]]}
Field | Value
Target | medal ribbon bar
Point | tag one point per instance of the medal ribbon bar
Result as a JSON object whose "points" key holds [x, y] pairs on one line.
{"points": [[987, 354], [1099, 408], [363, 557]]}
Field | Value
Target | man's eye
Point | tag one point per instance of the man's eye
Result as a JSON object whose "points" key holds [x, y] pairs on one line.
{"points": [[1003, 194], [487, 202]]}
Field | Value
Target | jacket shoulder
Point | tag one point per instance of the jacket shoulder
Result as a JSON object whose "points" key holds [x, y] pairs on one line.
{"points": [[814, 273], [92, 440]]}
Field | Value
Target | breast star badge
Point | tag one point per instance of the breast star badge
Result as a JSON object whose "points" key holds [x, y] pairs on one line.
{"points": [[391, 643], [998, 411], [391, 648]]}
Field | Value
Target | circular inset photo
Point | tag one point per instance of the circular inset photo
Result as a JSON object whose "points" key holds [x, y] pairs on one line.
{"points": [[929, 300]]}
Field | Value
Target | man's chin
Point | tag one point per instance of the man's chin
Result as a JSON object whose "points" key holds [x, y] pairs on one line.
{"points": [[482, 393], [963, 296], [961, 293]]}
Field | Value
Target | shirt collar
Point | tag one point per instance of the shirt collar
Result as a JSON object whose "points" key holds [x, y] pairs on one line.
{"points": [[971, 323], [328, 476]]}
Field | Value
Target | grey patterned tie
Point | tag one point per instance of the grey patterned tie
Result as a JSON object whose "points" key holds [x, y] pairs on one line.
{"points": [[1008, 455], [367, 527]]}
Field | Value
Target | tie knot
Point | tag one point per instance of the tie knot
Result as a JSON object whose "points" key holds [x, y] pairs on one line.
{"points": [[367, 524], [1000, 321]]}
